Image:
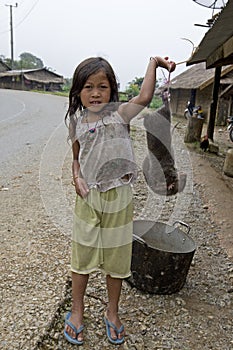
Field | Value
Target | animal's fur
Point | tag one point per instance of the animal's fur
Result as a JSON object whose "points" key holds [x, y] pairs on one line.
{"points": [[159, 165]]}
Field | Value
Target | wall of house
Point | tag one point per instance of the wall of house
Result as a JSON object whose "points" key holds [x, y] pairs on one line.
{"points": [[180, 97], [16, 83], [13, 83], [203, 99], [178, 101], [222, 112]]}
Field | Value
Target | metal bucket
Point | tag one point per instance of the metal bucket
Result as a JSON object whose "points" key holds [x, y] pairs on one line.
{"points": [[161, 257]]}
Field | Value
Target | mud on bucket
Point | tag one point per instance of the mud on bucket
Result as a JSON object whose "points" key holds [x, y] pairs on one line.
{"points": [[161, 257]]}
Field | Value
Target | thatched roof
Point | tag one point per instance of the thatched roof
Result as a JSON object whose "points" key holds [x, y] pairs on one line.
{"points": [[197, 77], [192, 78], [41, 75]]}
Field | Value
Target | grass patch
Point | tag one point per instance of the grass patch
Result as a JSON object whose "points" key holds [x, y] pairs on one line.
{"points": [[57, 93]]}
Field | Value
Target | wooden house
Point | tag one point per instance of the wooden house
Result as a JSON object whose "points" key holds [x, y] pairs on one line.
{"points": [[216, 50], [31, 79], [196, 85]]}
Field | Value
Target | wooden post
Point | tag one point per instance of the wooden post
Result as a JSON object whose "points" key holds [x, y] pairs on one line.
{"points": [[193, 130], [214, 103], [229, 105], [228, 164]]}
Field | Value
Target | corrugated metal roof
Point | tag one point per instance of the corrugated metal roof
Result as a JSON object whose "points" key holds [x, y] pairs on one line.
{"points": [[216, 48]]}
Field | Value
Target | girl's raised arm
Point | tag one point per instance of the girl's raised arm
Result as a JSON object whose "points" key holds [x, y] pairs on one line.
{"points": [[136, 104]]}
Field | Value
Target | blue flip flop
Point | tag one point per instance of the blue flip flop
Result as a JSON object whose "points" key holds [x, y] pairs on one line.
{"points": [[118, 331], [77, 331]]}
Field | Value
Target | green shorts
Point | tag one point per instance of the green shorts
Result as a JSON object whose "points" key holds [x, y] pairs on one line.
{"points": [[102, 232]]}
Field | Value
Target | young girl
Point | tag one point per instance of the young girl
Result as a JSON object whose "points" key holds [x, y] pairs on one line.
{"points": [[103, 172]]}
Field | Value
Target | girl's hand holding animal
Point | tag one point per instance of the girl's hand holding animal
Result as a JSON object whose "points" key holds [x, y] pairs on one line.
{"points": [[164, 63]]}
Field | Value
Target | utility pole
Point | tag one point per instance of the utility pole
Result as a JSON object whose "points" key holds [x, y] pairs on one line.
{"points": [[12, 38]]}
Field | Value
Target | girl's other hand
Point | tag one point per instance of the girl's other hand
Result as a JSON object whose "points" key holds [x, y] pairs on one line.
{"points": [[172, 66], [81, 187], [165, 63]]}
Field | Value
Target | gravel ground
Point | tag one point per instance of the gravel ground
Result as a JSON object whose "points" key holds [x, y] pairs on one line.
{"points": [[36, 286]]}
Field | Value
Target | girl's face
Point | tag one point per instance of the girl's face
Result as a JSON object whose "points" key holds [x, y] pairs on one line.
{"points": [[96, 92]]}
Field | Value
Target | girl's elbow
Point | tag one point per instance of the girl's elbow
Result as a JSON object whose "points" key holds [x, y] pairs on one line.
{"points": [[146, 99]]}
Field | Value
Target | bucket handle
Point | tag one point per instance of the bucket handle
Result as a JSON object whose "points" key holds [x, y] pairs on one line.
{"points": [[140, 240], [184, 224]]}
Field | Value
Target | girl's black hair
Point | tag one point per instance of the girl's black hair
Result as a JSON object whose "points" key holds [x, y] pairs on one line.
{"points": [[86, 68]]}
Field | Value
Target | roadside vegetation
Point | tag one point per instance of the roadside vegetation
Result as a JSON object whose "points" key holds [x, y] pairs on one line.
{"points": [[29, 61]]}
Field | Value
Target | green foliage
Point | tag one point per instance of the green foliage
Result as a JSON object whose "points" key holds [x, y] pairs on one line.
{"points": [[67, 84], [26, 61], [57, 93], [138, 82], [8, 61], [156, 102], [134, 87], [29, 61], [123, 97], [132, 90]]}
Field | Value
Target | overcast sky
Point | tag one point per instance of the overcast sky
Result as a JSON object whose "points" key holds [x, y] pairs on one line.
{"points": [[126, 32]]}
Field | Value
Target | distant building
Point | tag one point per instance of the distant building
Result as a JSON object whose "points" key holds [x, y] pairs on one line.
{"points": [[196, 85], [216, 51], [31, 79]]}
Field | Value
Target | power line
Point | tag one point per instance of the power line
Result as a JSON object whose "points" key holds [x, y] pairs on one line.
{"points": [[23, 19], [34, 5]]}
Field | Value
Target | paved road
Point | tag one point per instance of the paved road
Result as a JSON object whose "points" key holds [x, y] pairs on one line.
{"points": [[32, 150], [27, 118]]}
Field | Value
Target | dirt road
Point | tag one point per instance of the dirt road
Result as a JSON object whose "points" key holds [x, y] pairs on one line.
{"points": [[199, 317], [35, 245]]}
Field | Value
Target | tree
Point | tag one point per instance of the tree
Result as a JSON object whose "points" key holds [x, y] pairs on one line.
{"points": [[67, 84], [134, 88], [26, 61]]}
